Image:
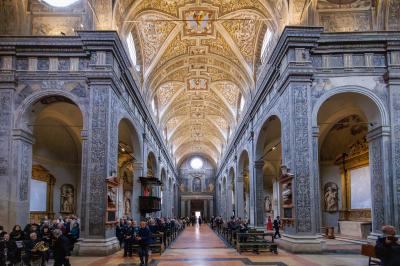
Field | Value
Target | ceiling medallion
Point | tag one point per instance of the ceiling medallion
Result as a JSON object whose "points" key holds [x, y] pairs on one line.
{"points": [[199, 21], [197, 84]]}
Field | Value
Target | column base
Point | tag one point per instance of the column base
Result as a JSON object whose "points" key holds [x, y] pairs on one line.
{"points": [[96, 247], [301, 243]]}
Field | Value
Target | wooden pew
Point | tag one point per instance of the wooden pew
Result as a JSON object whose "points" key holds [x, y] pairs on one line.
{"points": [[256, 242]]}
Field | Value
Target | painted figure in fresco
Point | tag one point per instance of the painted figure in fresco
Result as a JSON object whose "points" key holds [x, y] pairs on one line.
{"points": [[196, 185], [67, 199], [182, 187], [267, 204], [331, 197]]}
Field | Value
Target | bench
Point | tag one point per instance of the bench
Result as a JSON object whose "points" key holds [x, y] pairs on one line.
{"points": [[369, 251], [256, 242]]}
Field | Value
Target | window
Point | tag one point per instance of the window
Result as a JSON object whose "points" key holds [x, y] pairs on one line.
{"points": [[132, 50], [60, 3], [266, 43], [154, 106], [196, 163], [242, 102]]}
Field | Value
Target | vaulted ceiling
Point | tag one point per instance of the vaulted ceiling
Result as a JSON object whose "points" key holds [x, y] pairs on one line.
{"points": [[198, 62]]}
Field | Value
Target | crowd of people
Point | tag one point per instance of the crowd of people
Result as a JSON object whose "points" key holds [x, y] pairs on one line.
{"points": [[241, 225], [39, 242], [129, 233]]}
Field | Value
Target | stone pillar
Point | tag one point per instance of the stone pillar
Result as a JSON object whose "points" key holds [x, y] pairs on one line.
{"points": [[136, 190], [239, 205], [183, 213], [101, 162], [205, 213], [22, 164], [211, 204], [228, 199], [9, 198], [381, 188], [259, 193], [189, 208], [394, 106], [298, 155]]}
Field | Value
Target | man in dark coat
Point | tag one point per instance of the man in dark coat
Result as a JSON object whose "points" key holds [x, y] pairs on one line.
{"points": [[144, 237], [128, 241], [61, 249], [30, 252], [8, 247], [277, 225]]}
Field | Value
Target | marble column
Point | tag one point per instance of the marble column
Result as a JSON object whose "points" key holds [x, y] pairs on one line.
{"points": [[183, 213], [136, 190], [205, 213], [189, 208], [101, 162], [211, 204], [239, 205], [394, 106], [381, 189], [22, 164], [259, 193]]}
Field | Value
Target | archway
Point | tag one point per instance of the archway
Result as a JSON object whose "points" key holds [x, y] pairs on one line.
{"points": [[128, 155], [243, 187], [353, 176], [269, 159], [55, 187], [151, 165]]}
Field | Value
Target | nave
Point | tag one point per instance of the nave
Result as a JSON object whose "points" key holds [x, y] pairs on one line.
{"points": [[201, 246]]}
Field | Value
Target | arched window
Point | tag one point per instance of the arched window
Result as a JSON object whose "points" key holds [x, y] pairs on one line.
{"points": [[241, 104], [132, 50], [154, 106], [60, 3], [266, 43]]}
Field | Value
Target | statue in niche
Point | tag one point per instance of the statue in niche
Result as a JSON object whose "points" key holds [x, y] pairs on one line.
{"points": [[267, 204], [127, 202], [210, 187], [182, 187], [112, 197], [67, 199], [331, 197], [196, 184], [287, 194]]}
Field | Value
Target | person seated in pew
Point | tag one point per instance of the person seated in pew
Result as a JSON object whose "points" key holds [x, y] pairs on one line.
{"points": [[387, 248]]}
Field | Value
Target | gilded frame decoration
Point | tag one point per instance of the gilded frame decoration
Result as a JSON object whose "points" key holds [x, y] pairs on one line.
{"points": [[42, 174]]}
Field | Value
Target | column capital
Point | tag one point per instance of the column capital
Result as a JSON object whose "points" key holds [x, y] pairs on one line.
{"points": [[24, 135], [378, 132]]}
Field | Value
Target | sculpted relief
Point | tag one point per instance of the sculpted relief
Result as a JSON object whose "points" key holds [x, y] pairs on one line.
{"points": [[67, 199], [331, 197]]}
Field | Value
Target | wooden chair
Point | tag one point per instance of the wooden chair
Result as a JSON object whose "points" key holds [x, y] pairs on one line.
{"points": [[369, 251]]}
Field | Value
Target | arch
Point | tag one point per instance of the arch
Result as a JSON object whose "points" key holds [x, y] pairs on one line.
{"points": [[384, 115], [22, 110], [269, 132], [130, 138], [62, 113], [151, 164], [345, 117]]}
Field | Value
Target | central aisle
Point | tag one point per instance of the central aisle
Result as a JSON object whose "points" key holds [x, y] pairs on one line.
{"points": [[200, 246], [198, 237]]}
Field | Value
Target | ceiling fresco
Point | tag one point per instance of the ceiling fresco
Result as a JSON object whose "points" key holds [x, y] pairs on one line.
{"points": [[198, 64]]}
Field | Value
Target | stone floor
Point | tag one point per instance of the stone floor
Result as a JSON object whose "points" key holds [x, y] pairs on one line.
{"points": [[201, 246]]}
